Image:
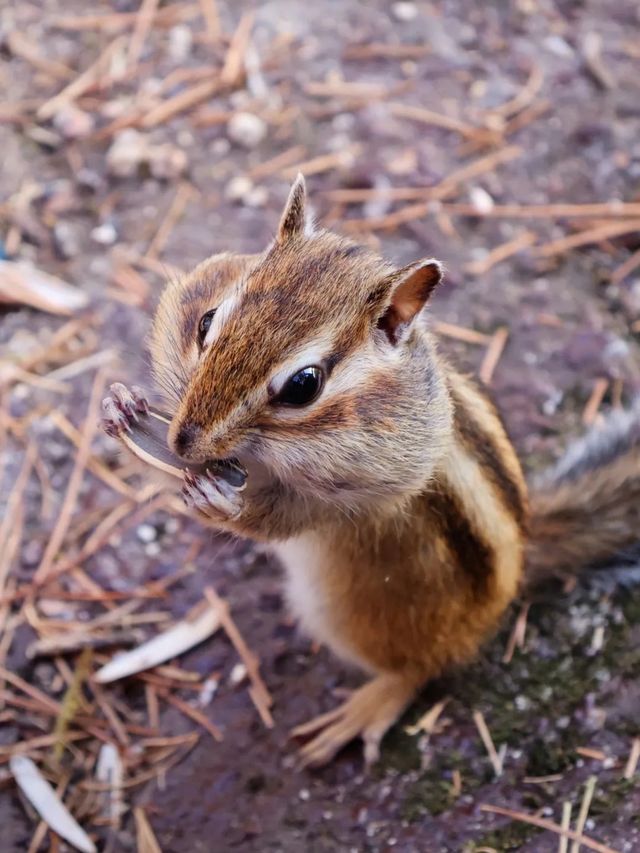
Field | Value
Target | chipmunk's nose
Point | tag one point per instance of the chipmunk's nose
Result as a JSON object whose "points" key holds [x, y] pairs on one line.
{"points": [[185, 438]]}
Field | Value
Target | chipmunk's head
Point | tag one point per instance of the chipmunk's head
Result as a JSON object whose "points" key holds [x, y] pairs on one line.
{"points": [[309, 359]]}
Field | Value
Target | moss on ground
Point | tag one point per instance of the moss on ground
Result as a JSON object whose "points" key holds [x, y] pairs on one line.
{"points": [[610, 797], [509, 837], [433, 792]]}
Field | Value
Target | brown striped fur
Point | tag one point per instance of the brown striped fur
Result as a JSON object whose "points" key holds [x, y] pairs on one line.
{"points": [[395, 500], [585, 513]]}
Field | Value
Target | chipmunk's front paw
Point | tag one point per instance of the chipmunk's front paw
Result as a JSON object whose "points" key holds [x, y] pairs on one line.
{"points": [[212, 495], [121, 408]]}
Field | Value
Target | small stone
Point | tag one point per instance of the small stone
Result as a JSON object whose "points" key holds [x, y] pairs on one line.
{"points": [[73, 123], [558, 46], [166, 162], [146, 533], [247, 129], [304, 794], [238, 674], [258, 197], [481, 200], [105, 234], [238, 188], [127, 153], [153, 549], [180, 42], [220, 146], [32, 553], [209, 690], [89, 180], [172, 526], [65, 240], [404, 12]]}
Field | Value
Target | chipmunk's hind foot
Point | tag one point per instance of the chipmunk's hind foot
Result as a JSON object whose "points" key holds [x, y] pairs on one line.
{"points": [[368, 713]]}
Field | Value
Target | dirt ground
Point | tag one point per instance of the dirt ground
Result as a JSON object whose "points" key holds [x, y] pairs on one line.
{"points": [[324, 84]]}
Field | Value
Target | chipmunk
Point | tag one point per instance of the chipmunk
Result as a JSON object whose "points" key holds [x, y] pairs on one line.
{"points": [[382, 477]]}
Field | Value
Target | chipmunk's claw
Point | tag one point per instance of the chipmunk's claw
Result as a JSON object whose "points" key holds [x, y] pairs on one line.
{"points": [[211, 494], [121, 408]]}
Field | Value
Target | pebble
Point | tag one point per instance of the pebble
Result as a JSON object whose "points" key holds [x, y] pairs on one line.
{"points": [[131, 150], [247, 129], [73, 123], [481, 200], [32, 553], [89, 180], [558, 46], [180, 42], [404, 12], [153, 549], [166, 162], [172, 526], [105, 234], [209, 690], [240, 188], [220, 147], [65, 239], [238, 674], [146, 533]]}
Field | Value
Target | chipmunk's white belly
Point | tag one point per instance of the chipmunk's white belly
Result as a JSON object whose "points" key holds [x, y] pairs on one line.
{"points": [[307, 561]]}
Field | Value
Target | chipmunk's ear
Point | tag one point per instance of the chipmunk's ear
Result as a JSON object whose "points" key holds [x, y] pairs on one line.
{"points": [[407, 291], [293, 219]]}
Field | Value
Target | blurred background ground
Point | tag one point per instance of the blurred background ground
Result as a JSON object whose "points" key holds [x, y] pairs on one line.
{"points": [[177, 131]]}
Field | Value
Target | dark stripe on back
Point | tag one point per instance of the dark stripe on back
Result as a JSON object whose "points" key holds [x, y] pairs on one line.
{"points": [[481, 445], [475, 557]]}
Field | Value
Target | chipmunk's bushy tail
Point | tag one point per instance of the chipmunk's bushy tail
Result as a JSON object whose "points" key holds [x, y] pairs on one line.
{"points": [[585, 512]]}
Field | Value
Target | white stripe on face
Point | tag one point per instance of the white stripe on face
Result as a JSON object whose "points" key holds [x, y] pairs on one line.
{"points": [[223, 312]]}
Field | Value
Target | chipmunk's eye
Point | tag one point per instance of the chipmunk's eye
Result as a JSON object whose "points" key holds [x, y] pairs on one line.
{"points": [[301, 388], [204, 325]]}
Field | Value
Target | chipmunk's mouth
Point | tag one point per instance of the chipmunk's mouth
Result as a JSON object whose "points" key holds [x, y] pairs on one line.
{"points": [[230, 470], [148, 439]]}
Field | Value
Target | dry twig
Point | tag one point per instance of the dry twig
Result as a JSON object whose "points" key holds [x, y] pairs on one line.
{"points": [[183, 196], [584, 812], [211, 19], [461, 333], [587, 237], [82, 83], [495, 758], [435, 119], [632, 762], [516, 638], [75, 481], [549, 825], [427, 722], [630, 265], [145, 838], [259, 693], [144, 22], [493, 354], [594, 402], [232, 72], [19, 45], [522, 241]]}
